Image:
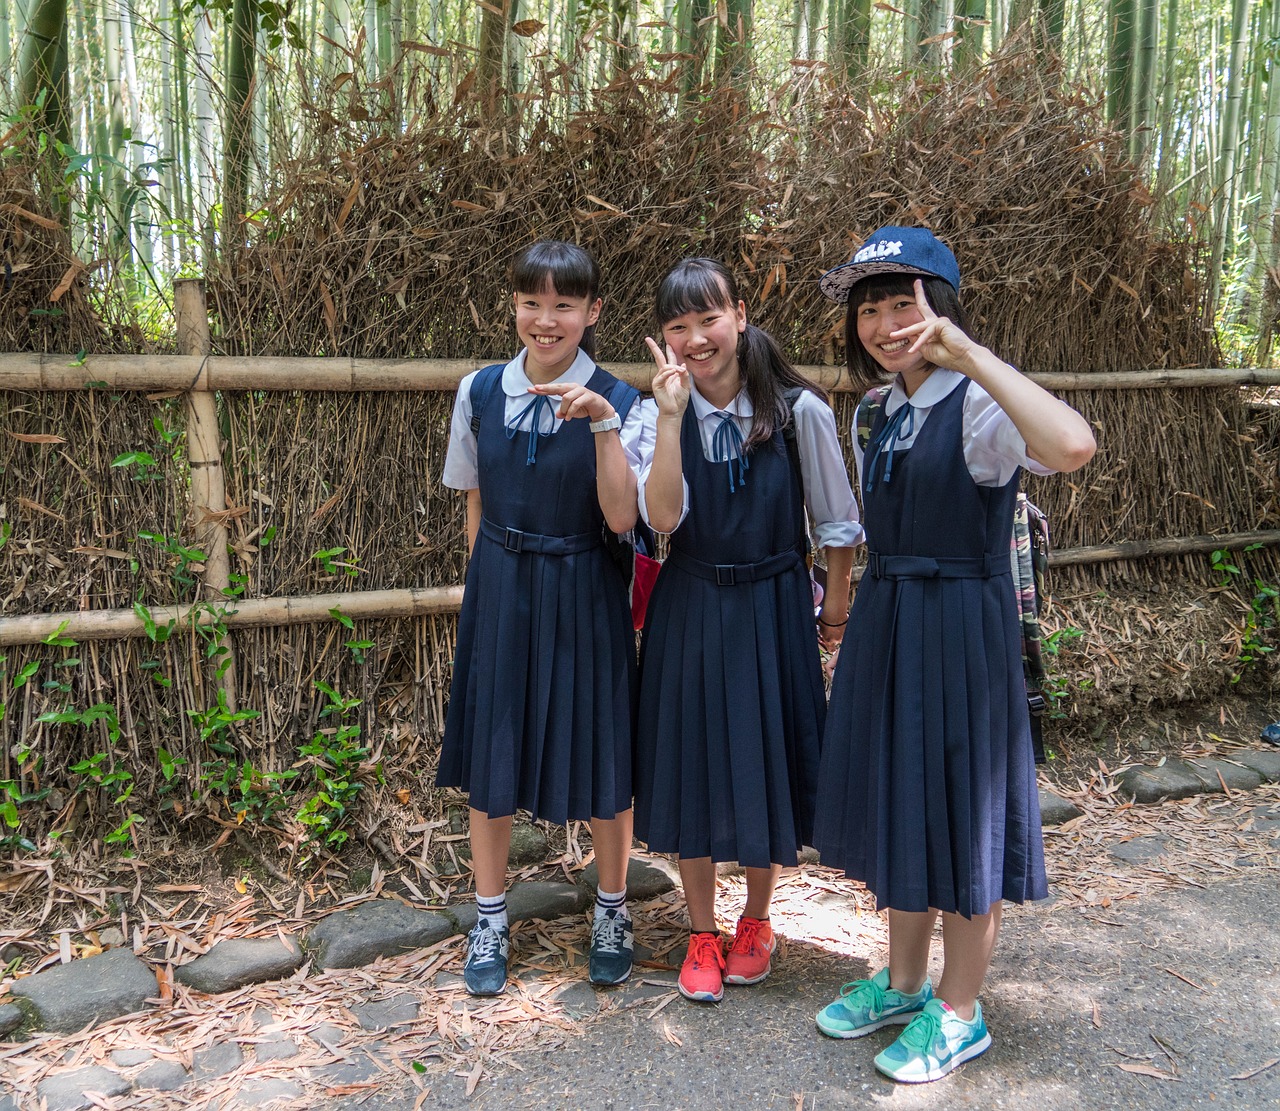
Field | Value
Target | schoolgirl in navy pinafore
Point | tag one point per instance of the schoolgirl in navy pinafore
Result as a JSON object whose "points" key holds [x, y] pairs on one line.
{"points": [[541, 709], [731, 700], [928, 790]]}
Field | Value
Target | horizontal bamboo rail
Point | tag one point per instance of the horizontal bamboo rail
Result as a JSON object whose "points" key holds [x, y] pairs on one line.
{"points": [[159, 373], [248, 613], [424, 601]]}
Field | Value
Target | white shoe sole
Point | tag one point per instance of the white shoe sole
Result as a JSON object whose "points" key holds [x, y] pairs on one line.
{"points": [[863, 1031], [966, 1054], [700, 996]]}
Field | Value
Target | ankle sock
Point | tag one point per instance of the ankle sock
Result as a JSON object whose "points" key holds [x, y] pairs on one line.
{"points": [[612, 900], [494, 910]]}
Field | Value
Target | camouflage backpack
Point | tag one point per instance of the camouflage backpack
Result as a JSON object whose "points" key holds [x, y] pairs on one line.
{"points": [[1029, 558]]}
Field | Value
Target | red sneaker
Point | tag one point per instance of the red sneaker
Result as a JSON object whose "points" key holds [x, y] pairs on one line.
{"points": [[702, 974], [749, 956]]}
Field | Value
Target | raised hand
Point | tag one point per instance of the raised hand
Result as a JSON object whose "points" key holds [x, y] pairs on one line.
{"points": [[575, 401], [671, 383], [940, 340]]}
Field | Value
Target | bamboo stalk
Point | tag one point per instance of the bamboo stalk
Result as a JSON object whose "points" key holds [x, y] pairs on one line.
{"points": [[204, 450], [251, 613], [427, 601], [157, 373]]}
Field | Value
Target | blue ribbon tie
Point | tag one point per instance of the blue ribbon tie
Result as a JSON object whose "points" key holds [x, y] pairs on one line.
{"points": [[898, 427], [534, 410], [726, 446]]}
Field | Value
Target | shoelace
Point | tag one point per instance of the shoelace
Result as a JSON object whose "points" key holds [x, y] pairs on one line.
{"points": [[745, 939], [538, 406], [726, 446], [486, 943], [870, 988], [609, 933], [881, 448], [922, 1031], [707, 950]]}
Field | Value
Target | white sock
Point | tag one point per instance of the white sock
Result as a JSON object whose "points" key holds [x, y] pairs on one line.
{"points": [[494, 910], [612, 900]]}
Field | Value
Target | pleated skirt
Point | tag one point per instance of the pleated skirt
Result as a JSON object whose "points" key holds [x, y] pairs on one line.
{"points": [[928, 787], [731, 717], [542, 702]]}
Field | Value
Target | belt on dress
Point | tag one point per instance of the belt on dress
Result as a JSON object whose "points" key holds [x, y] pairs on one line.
{"points": [[881, 566], [516, 541], [730, 574]]}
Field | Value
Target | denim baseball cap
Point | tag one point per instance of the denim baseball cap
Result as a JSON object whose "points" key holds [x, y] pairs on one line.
{"points": [[893, 251]]}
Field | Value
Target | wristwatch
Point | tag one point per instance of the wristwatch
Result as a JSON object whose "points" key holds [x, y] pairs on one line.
{"points": [[606, 425]]}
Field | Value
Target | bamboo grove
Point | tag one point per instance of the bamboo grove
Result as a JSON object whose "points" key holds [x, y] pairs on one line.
{"points": [[165, 120]]}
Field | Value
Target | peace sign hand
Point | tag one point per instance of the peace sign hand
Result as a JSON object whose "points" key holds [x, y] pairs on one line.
{"points": [[941, 341], [671, 384]]}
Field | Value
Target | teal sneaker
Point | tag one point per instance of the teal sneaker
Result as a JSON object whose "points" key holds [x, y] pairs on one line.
{"points": [[937, 1041], [867, 1005]]}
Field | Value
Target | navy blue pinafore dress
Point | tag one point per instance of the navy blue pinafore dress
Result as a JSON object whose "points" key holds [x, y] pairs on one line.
{"points": [[542, 701], [928, 785], [731, 697]]}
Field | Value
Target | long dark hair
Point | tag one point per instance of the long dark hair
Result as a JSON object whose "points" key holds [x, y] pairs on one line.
{"points": [[703, 284], [945, 301], [568, 269]]}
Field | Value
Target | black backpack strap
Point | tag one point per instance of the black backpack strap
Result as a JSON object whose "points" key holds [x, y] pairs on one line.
{"points": [[791, 396], [482, 387]]}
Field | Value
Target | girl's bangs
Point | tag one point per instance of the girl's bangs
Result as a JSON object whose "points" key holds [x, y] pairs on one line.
{"points": [[692, 287], [879, 286], [567, 269]]}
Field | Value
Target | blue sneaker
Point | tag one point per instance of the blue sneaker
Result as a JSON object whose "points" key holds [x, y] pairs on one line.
{"points": [[867, 1005], [1271, 733], [612, 948], [485, 972], [937, 1041]]}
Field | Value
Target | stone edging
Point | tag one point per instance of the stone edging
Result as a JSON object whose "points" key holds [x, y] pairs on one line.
{"points": [[66, 998]]}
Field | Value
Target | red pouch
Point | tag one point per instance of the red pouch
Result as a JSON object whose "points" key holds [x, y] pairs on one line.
{"points": [[644, 576]]}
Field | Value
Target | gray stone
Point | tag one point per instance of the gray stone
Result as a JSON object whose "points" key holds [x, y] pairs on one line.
{"points": [[327, 1035], [1139, 850], [647, 877], [127, 1058], [542, 899], [809, 855], [67, 1092], [10, 1018], [255, 1093], [379, 928], [216, 1060], [579, 1000], [528, 845], [1171, 780], [9, 952], [163, 1076], [1054, 809], [275, 1051], [69, 997], [111, 937], [1265, 763], [233, 964], [1265, 818], [356, 1069], [382, 1013], [7, 1104], [1236, 778]]}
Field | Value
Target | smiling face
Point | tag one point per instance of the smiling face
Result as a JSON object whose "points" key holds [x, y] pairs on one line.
{"points": [[878, 320], [550, 325], [706, 341]]}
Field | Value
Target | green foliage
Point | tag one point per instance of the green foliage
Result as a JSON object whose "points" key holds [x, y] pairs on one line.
{"points": [[1056, 687], [1262, 617], [334, 761], [333, 566]]}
